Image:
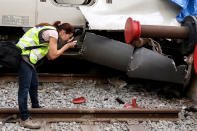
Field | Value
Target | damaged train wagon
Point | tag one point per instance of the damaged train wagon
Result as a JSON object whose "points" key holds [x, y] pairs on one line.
{"points": [[141, 38]]}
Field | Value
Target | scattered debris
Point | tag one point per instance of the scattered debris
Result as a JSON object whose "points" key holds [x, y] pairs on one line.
{"points": [[79, 100], [133, 105], [105, 99], [191, 109], [12, 117], [66, 93], [47, 91], [120, 101], [128, 106]]}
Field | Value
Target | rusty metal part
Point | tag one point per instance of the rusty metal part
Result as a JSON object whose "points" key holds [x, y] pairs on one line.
{"points": [[155, 45], [143, 41], [104, 115], [49, 77], [152, 31], [139, 43], [189, 61]]}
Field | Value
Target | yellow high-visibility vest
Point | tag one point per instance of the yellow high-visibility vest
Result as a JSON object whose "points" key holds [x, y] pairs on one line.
{"points": [[31, 38]]}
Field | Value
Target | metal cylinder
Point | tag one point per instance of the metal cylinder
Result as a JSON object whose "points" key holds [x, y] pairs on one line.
{"points": [[134, 30], [137, 63], [173, 32], [107, 52], [148, 64]]}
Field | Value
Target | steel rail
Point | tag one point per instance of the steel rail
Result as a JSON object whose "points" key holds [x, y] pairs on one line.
{"points": [[95, 115], [53, 77]]}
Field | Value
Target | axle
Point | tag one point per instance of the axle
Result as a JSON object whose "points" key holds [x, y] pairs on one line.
{"points": [[188, 30]]}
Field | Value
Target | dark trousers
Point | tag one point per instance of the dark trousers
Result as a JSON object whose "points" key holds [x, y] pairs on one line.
{"points": [[28, 82]]}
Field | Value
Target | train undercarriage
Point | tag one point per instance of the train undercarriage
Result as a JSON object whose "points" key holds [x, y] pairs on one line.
{"points": [[151, 52], [155, 54]]}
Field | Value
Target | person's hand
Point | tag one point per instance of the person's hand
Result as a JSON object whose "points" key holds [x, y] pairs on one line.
{"points": [[72, 44], [70, 39]]}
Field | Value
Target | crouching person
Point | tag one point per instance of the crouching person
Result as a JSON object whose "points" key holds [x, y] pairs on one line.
{"points": [[36, 43]]}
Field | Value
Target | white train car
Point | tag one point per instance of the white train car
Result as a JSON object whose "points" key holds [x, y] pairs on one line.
{"points": [[100, 14], [16, 16]]}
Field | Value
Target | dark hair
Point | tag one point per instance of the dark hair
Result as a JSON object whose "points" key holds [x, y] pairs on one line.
{"points": [[65, 26]]}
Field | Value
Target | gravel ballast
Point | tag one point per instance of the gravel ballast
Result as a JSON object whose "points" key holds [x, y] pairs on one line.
{"points": [[100, 95]]}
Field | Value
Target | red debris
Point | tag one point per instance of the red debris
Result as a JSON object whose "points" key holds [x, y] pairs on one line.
{"points": [[128, 106], [133, 105], [79, 100]]}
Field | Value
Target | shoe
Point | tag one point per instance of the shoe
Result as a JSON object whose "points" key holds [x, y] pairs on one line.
{"points": [[36, 107], [29, 123]]}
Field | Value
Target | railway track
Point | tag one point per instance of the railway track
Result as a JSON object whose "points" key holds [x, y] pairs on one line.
{"points": [[89, 116], [81, 115], [86, 117], [53, 77]]}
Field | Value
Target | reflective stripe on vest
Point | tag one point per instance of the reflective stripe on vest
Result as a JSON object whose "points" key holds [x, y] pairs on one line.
{"points": [[31, 38]]}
